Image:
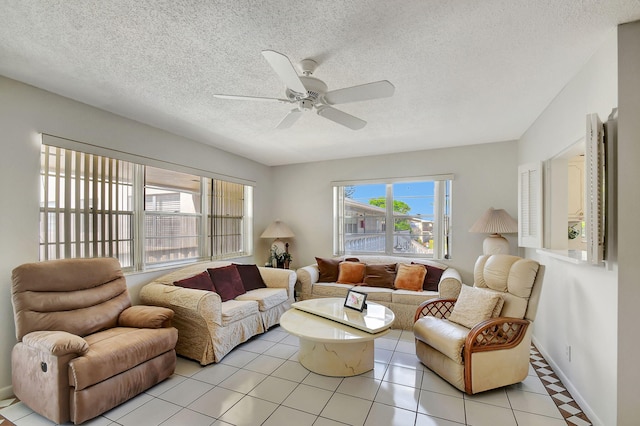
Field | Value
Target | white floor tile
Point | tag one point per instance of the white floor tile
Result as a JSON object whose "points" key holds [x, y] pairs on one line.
{"points": [[291, 370], [238, 358], [256, 345], [243, 381], [442, 406], [406, 347], [434, 383], [530, 384], [264, 364], [34, 419], [273, 335], [288, 416], [323, 421], [273, 389], [309, 399], [425, 420], [403, 376], [153, 412], [497, 397], [398, 396], [166, 385], [406, 360], [216, 402], [382, 355], [360, 387], [378, 372], [16, 411], [385, 415], [186, 367], [534, 403], [323, 382], [188, 417], [347, 409], [384, 343], [529, 419], [281, 351], [249, 411], [215, 373], [186, 392], [478, 414]]}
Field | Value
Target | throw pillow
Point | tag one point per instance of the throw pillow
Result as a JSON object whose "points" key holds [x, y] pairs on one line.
{"points": [[380, 275], [473, 306], [250, 277], [410, 277], [350, 273], [329, 268], [432, 279], [202, 281], [227, 282]]}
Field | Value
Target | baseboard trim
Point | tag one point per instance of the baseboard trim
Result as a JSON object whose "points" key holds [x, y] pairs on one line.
{"points": [[595, 420], [6, 392]]}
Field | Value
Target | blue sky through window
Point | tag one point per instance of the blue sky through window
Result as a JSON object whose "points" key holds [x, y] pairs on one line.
{"points": [[418, 195]]}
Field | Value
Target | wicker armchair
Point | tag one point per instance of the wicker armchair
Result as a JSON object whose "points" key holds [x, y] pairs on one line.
{"points": [[493, 352]]}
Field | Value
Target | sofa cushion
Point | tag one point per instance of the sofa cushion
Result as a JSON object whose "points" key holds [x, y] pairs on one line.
{"points": [[227, 282], [267, 298], [331, 289], [409, 277], [379, 275], [408, 297], [235, 310], [432, 279], [201, 281], [250, 277], [473, 306], [350, 273], [116, 350], [376, 294], [444, 336], [328, 268]]}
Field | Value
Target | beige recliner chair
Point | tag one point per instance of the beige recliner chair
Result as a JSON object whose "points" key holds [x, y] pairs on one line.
{"points": [[487, 346], [82, 348]]}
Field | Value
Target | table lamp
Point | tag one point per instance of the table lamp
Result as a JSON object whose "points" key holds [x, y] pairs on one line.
{"points": [[276, 231], [495, 222]]}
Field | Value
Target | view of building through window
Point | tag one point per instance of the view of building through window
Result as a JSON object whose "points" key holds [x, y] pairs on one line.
{"points": [[418, 211]]}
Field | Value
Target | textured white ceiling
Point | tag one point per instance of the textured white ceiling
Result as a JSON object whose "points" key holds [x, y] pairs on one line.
{"points": [[465, 71]]}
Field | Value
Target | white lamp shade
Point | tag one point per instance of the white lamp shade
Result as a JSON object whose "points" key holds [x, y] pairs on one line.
{"points": [[495, 222], [277, 230]]}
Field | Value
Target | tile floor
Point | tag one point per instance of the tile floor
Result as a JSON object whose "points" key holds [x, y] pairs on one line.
{"points": [[261, 383]]}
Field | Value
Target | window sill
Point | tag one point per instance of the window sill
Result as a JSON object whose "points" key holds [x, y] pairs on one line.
{"points": [[577, 257]]}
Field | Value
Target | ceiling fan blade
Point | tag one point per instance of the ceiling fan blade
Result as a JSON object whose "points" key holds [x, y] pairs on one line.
{"points": [[364, 92], [285, 70], [289, 119], [340, 117], [251, 98]]}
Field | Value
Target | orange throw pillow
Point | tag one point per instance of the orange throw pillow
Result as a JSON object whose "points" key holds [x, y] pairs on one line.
{"points": [[351, 273], [409, 277]]}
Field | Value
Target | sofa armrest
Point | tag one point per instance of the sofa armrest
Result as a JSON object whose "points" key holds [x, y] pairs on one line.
{"points": [[450, 284], [279, 278], [200, 305], [439, 308], [307, 277], [57, 343], [145, 317], [496, 334]]}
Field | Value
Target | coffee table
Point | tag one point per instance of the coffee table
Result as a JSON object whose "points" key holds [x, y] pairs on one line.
{"points": [[334, 340]]}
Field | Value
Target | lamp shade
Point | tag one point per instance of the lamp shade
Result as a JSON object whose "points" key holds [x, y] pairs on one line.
{"points": [[495, 222], [277, 230]]}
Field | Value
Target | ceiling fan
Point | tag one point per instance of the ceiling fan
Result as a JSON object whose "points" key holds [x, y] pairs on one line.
{"points": [[309, 93]]}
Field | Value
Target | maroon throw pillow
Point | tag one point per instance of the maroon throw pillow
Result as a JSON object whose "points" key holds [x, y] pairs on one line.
{"points": [[227, 282], [380, 275], [202, 281], [329, 268], [432, 279], [250, 277]]}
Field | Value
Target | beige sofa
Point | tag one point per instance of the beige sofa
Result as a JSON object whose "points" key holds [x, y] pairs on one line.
{"points": [[208, 328], [82, 348], [403, 303]]}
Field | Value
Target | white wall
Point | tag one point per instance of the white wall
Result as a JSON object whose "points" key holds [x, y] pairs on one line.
{"points": [[579, 303], [25, 111], [485, 176], [628, 232]]}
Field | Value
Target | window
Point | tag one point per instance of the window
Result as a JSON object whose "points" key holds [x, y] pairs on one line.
{"points": [[145, 216], [418, 210]]}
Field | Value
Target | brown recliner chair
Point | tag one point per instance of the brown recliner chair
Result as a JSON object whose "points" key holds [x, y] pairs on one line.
{"points": [[82, 348], [495, 351]]}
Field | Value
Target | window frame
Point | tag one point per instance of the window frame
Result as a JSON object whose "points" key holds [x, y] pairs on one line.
{"points": [[443, 185], [139, 213]]}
